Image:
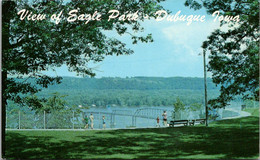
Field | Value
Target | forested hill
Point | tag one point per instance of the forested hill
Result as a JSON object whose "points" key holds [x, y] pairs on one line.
{"points": [[135, 91], [133, 83]]}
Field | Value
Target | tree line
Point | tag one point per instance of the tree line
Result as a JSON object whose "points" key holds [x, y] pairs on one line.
{"points": [[134, 91]]}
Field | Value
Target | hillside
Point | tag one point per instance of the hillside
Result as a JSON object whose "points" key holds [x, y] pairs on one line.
{"points": [[135, 91], [134, 83]]}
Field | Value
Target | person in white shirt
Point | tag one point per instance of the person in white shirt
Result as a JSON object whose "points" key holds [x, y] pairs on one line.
{"points": [[164, 118], [91, 117]]}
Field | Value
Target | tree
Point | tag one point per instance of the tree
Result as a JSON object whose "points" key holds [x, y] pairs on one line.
{"points": [[195, 107], [233, 58], [30, 47], [178, 107], [57, 113], [55, 102]]}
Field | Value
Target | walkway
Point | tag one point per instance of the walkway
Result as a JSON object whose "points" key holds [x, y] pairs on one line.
{"points": [[241, 113]]}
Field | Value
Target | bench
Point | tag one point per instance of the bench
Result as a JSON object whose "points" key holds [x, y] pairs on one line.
{"points": [[172, 123], [200, 121]]}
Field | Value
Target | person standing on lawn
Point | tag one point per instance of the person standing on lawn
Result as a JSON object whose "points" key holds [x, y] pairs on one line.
{"points": [[164, 118], [86, 122], [91, 117], [104, 122], [158, 121]]}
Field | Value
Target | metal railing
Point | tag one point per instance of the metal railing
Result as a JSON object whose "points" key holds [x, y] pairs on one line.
{"points": [[20, 119], [68, 119]]}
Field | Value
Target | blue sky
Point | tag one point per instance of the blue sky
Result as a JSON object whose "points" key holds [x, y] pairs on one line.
{"points": [[174, 52]]}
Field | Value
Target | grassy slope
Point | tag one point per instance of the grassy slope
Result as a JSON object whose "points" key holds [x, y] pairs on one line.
{"points": [[253, 111], [230, 139]]}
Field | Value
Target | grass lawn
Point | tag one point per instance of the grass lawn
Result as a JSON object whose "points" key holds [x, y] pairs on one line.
{"points": [[253, 111], [226, 139]]}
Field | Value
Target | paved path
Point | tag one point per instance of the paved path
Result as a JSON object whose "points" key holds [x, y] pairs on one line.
{"points": [[241, 113]]}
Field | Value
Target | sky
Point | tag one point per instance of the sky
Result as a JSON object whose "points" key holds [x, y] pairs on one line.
{"points": [[174, 52]]}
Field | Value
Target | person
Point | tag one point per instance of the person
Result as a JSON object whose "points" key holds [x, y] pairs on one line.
{"points": [[164, 118], [91, 117], [86, 122], [104, 123], [158, 121]]}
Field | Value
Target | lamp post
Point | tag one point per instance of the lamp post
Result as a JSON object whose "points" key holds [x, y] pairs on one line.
{"points": [[205, 87]]}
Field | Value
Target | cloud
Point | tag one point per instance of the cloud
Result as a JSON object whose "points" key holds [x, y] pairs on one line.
{"points": [[186, 40], [194, 34]]}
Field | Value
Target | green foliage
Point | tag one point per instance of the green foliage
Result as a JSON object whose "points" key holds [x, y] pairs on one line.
{"points": [[57, 113], [134, 83], [179, 105], [32, 47], [234, 59], [55, 103], [135, 91], [195, 107], [130, 97]]}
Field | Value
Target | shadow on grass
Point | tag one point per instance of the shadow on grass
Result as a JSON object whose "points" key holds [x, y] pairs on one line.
{"points": [[227, 139]]}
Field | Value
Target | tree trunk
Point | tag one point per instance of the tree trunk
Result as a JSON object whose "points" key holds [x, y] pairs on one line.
{"points": [[8, 9], [3, 115]]}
